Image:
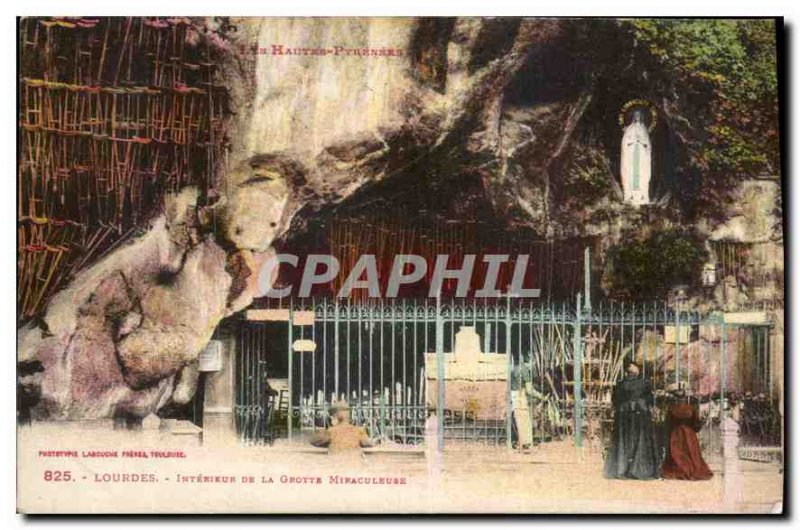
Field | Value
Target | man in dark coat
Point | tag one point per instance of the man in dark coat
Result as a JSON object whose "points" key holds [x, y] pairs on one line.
{"points": [[633, 451]]}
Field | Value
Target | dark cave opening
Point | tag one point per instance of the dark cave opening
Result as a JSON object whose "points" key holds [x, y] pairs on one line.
{"points": [[555, 77]]}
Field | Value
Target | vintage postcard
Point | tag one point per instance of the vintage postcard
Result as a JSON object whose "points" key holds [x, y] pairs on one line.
{"points": [[399, 265]]}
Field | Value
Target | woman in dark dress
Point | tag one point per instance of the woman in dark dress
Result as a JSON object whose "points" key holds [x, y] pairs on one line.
{"points": [[633, 451], [684, 460]]}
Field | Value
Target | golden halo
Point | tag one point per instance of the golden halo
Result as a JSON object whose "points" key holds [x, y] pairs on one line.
{"points": [[639, 103]]}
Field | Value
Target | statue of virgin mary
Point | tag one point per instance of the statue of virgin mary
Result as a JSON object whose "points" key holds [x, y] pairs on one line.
{"points": [[636, 161]]}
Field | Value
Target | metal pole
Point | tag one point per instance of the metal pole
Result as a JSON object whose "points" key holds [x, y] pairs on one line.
{"points": [[723, 362], [509, 404], [587, 279], [577, 364], [440, 382], [723, 370], [291, 387], [770, 346], [336, 348], [382, 402], [677, 343]]}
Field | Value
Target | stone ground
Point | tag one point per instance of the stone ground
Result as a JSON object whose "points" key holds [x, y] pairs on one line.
{"points": [[551, 478]]}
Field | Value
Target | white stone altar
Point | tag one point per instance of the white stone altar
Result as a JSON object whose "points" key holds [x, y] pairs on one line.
{"points": [[476, 383]]}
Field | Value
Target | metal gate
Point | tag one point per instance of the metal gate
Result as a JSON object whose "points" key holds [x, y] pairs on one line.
{"points": [[370, 355]]}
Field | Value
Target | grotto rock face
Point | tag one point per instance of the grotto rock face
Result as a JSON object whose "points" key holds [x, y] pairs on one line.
{"points": [[308, 133], [177, 319], [755, 215], [112, 343]]}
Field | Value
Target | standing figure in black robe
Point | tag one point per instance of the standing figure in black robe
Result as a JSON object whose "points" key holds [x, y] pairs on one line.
{"points": [[633, 451]]}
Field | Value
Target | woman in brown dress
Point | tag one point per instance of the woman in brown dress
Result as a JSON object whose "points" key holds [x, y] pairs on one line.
{"points": [[684, 460]]}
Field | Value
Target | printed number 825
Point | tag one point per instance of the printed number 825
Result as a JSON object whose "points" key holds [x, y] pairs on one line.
{"points": [[57, 476]]}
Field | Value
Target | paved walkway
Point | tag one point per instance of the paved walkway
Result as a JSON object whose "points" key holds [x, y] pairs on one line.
{"points": [[552, 478]]}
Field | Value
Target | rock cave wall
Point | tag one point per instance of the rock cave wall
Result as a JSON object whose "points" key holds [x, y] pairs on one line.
{"points": [[307, 133]]}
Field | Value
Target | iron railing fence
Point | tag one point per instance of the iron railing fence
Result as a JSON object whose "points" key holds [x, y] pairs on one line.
{"points": [[386, 359]]}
